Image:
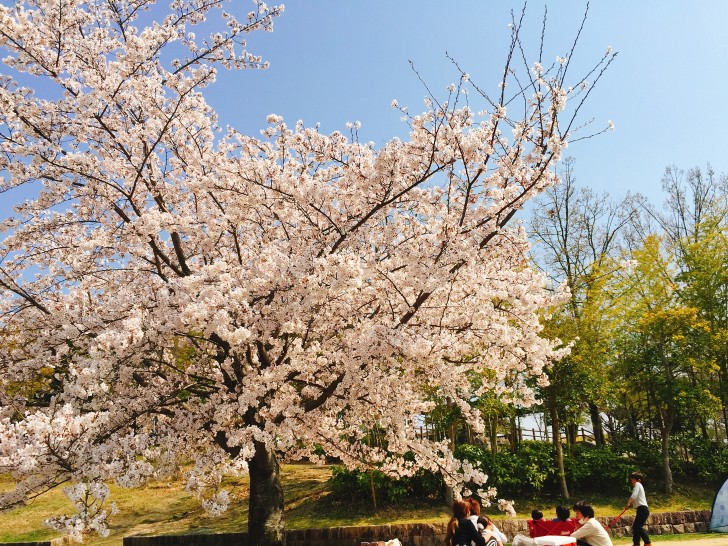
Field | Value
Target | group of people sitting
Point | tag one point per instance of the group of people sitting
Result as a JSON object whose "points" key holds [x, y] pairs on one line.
{"points": [[562, 514], [583, 527], [468, 527]]}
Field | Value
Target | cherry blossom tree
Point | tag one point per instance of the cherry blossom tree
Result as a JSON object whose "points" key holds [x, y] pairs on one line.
{"points": [[171, 293]]}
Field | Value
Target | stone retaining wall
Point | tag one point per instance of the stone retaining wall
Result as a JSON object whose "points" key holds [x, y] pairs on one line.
{"points": [[423, 534], [61, 541], [665, 523]]}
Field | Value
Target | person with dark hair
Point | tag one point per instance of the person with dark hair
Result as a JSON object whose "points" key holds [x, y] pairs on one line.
{"points": [[589, 531], [488, 529], [460, 530], [639, 500], [562, 513], [536, 515], [490, 532]]}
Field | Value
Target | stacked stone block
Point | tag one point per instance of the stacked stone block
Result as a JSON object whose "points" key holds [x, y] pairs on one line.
{"points": [[423, 534]]}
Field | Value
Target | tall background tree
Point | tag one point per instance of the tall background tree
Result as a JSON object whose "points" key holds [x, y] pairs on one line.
{"points": [[674, 309], [645, 317], [174, 295], [661, 350], [578, 241], [694, 220]]}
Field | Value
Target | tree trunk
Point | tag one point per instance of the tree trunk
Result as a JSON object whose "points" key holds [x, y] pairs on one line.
{"points": [[448, 496], [667, 471], [571, 435], [597, 427], [666, 423], [703, 428], [265, 515], [374, 492], [494, 440], [631, 426], [700, 423], [558, 447], [722, 403]]}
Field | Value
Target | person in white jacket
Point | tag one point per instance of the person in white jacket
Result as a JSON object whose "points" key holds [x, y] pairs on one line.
{"points": [[589, 531], [487, 527], [639, 501]]}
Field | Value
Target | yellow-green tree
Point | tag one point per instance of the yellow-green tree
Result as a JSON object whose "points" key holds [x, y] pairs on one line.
{"points": [[661, 338], [704, 280], [578, 242]]}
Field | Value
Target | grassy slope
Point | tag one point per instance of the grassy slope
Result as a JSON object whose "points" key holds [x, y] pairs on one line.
{"points": [[165, 508]]}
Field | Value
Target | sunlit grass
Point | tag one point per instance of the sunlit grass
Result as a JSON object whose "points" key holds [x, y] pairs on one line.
{"points": [[164, 508], [684, 497]]}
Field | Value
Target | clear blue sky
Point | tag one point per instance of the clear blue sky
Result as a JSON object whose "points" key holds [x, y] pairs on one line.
{"points": [[334, 61]]}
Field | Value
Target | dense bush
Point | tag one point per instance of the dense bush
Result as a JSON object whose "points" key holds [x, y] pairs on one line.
{"points": [[349, 484], [591, 468], [527, 473], [531, 471], [643, 455], [708, 460]]}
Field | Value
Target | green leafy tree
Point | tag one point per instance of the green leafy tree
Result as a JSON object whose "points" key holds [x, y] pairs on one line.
{"points": [[661, 339], [705, 287], [578, 242], [693, 221]]}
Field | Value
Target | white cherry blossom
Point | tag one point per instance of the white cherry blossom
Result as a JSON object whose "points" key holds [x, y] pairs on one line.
{"points": [[169, 295]]}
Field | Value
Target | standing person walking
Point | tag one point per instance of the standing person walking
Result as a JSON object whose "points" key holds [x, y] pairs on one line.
{"points": [[639, 500]]}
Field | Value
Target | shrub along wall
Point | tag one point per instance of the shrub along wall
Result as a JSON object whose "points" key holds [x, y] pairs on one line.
{"points": [[422, 534]]}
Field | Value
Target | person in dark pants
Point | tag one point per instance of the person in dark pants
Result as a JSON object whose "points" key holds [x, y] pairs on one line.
{"points": [[639, 501]]}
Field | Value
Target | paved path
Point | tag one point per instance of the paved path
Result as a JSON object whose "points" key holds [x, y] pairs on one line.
{"points": [[717, 541]]}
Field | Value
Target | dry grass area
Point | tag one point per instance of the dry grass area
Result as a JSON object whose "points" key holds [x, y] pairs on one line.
{"points": [[165, 508], [160, 508]]}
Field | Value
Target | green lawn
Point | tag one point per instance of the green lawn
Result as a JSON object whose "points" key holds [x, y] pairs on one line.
{"points": [[165, 508]]}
